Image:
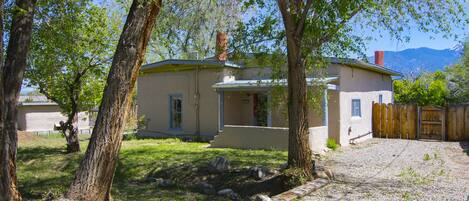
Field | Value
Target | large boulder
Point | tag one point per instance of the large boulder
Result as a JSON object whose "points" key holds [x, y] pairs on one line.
{"points": [[219, 164]]}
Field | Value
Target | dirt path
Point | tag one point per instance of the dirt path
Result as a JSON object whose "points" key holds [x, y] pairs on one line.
{"points": [[388, 169]]}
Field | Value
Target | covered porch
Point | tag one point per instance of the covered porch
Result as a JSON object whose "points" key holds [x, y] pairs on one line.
{"points": [[247, 118]]}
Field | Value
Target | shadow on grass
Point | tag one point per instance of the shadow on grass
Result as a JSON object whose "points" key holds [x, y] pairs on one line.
{"points": [[43, 169], [31, 153]]}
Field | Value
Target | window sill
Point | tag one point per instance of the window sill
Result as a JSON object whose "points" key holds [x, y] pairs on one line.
{"points": [[356, 119]]}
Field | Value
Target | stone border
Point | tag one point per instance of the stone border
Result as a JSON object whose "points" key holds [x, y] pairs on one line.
{"points": [[302, 190]]}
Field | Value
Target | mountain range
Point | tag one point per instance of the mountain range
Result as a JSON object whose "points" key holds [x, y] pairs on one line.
{"points": [[410, 61]]}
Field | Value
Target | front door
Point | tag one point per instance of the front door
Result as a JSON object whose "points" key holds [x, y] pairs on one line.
{"points": [[260, 110]]}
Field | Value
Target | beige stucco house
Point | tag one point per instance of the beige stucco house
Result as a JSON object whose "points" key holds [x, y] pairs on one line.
{"points": [[37, 114], [232, 103]]}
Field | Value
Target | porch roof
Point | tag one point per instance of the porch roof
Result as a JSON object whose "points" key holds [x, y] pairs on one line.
{"points": [[264, 84]]}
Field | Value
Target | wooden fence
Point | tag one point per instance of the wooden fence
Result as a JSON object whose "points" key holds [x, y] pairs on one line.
{"points": [[412, 122]]}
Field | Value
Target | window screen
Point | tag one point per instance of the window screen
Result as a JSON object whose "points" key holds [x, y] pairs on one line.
{"points": [[176, 111], [356, 108]]}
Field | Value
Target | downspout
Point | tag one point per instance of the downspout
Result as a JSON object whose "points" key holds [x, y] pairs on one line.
{"points": [[197, 98]]}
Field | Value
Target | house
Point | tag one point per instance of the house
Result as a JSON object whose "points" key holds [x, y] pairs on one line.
{"points": [[38, 114], [227, 101]]}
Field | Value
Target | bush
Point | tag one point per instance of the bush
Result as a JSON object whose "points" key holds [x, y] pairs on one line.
{"points": [[331, 144], [293, 177]]}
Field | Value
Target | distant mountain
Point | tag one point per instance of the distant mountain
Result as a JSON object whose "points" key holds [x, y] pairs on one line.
{"points": [[420, 59]]}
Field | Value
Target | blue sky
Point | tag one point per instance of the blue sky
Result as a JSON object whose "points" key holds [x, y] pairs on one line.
{"points": [[418, 39]]}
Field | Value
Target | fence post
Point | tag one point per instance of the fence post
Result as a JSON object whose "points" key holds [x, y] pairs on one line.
{"points": [[419, 121]]}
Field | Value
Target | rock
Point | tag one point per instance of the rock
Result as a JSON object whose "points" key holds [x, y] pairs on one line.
{"points": [[219, 164], [228, 193], [324, 173], [205, 188], [258, 172], [163, 182], [260, 197], [273, 171]]}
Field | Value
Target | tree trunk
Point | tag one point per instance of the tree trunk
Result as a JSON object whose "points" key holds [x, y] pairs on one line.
{"points": [[299, 152], [12, 78], [70, 131], [94, 177]]}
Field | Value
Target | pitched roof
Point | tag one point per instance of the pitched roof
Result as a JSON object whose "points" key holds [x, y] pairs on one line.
{"points": [[181, 63], [364, 65]]}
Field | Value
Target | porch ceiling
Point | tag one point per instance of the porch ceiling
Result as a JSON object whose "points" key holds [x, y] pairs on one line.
{"points": [[266, 84]]}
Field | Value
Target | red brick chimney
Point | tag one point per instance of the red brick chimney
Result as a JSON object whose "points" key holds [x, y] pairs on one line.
{"points": [[221, 47], [379, 58]]}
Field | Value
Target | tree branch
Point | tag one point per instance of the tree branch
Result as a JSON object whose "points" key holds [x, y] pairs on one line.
{"points": [[304, 16], [340, 25]]}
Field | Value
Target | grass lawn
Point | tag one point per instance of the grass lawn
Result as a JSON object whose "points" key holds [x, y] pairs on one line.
{"points": [[44, 167]]}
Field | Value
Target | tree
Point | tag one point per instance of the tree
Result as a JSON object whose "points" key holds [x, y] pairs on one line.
{"points": [[70, 67], [11, 78], [188, 28], [458, 79], [427, 89], [316, 29], [93, 178]]}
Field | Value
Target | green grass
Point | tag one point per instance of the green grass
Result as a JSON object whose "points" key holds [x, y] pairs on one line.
{"points": [[331, 144], [43, 166]]}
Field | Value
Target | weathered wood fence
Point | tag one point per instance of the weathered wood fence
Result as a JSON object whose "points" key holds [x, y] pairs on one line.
{"points": [[428, 122]]}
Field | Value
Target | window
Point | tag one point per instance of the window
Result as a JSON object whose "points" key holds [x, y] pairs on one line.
{"points": [[380, 98], [175, 112], [356, 108]]}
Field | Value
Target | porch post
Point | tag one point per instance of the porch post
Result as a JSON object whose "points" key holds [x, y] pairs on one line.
{"points": [[221, 111], [325, 109]]}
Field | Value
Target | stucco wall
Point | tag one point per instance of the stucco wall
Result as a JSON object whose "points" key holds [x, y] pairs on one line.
{"points": [[44, 117], [364, 85], [256, 137], [153, 97]]}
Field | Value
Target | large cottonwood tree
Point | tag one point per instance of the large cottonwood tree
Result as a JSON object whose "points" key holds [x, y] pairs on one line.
{"points": [[94, 177], [11, 78]]}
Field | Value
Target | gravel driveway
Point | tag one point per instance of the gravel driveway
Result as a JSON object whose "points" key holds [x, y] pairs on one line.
{"points": [[393, 169]]}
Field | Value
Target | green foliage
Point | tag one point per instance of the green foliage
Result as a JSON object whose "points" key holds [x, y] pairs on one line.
{"points": [[458, 78], [331, 144], [293, 177], [426, 157], [427, 89], [72, 47], [187, 29]]}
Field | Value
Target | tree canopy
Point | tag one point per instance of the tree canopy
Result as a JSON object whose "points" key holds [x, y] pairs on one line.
{"points": [[72, 48], [71, 52]]}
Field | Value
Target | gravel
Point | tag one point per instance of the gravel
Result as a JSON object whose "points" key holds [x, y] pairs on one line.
{"points": [[394, 169]]}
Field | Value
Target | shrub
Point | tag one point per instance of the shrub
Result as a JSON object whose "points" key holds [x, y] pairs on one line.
{"points": [[426, 157], [293, 177], [331, 144]]}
